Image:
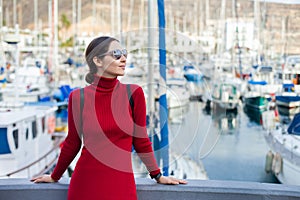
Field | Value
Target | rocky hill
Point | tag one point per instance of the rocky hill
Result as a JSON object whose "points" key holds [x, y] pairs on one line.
{"points": [[280, 25]]}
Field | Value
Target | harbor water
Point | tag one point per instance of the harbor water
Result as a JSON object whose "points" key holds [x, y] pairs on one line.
{"points": [[229, 144]]}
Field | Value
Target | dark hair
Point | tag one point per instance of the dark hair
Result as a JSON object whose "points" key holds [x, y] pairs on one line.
{"points": [[97, 46]]}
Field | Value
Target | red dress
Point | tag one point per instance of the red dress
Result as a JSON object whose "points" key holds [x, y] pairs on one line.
{"points": [[104, 169]]}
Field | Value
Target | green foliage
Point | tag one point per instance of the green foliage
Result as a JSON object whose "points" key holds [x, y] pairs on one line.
{"points": [[67, 43], [65, 21]]}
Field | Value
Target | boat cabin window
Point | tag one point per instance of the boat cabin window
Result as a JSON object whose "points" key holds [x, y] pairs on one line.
{"points": [[27, 134], [16, 138], [34, 129], [4, 146], [43, 125]]}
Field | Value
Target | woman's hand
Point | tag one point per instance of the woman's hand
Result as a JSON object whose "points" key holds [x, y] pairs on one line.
{"points": [[46, 178], [167, 180]]}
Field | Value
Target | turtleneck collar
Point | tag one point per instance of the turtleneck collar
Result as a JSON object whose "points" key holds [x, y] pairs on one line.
{"points": [[103, 82]]}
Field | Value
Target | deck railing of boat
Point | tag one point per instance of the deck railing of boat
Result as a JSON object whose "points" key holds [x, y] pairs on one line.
{"points": [[15, 189], [56, 143]]}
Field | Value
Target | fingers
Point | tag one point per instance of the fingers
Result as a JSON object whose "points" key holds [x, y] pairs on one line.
{"points": [[183, 182], [176, 181], [35, 179], [171, 181], [42, 179], [39, 179]]}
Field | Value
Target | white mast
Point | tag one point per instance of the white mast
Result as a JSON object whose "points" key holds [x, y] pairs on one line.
{"points": [[257, 29], [35, 22], [206, 12], [119, 13], [221, 29], [55, 14], [78, 15], [14, 12], [112, 16], [284, 23], [74, 22], [94, 16], [50, 51], [129, 21], [1, 20], [151, 35]]}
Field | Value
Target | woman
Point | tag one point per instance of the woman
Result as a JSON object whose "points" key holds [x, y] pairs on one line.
{"points": [[110, 126]]}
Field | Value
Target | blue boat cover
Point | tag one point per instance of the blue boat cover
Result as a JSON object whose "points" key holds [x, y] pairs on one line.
{"points": [[257, 82], [288, 85], [294, 127]]}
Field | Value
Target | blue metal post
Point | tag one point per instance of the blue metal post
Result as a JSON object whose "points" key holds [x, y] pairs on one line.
{"points": [[163, 110]]}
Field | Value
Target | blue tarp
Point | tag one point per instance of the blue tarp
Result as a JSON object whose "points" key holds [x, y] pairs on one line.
{"points": [[257, 82], [294, 127], [287, 99]]}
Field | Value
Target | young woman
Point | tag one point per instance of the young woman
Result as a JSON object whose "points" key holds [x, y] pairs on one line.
{"points": [[108, 127]]}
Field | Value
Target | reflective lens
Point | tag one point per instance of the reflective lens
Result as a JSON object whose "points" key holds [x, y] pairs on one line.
{"points": [[117, 53]]}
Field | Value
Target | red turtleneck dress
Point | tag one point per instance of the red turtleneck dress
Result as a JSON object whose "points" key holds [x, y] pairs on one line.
{"points": [[110, 128]]}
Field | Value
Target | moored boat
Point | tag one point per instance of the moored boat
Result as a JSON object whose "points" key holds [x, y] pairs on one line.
{"points": [[27, 147], [284, 157]]}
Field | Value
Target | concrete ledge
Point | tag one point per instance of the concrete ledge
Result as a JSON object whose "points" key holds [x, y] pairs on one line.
{"points": [[23, 189]]}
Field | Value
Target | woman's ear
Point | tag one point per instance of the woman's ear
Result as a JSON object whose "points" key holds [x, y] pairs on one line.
{"points": [[97, 61]]}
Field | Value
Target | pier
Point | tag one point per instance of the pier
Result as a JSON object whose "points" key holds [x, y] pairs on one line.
{"points": [[15, 189]]}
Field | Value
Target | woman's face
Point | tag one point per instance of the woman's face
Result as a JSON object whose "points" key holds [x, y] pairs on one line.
{"points": [[111, 66]]}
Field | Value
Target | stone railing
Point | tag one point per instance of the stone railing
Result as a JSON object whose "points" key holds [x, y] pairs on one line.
{"points": [[23, 189]]}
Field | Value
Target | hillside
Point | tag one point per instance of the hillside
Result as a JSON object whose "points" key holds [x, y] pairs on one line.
{"points": [[182, 16]]}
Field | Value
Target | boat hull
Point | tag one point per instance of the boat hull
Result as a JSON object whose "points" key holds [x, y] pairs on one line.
{"points": [[288, 101], [287, 165]]}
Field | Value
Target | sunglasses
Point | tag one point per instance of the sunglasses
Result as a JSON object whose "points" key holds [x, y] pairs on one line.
{"points": [[117, 53]]}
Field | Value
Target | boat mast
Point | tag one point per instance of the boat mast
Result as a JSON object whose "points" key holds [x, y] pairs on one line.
{"points": [[112, 16], [1, 24], [78, 22], [237, 39], [94, 17], [150, 101], [74, 22], [119, 12], [257, 30], [284, 23], [221, 29], [36, 23], [53, 24], [129, 21], [14, 12], [207, 14], [163, 108]]}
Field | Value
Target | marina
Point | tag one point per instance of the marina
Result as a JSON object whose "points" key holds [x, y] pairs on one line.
{"points": [[222, 102]]}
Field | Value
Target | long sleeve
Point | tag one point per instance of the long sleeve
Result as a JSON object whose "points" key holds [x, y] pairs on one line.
{"points": [[141, 142], [72, 143]]}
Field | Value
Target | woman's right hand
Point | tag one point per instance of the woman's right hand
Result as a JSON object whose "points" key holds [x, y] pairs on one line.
{"points": [[46, 178]]}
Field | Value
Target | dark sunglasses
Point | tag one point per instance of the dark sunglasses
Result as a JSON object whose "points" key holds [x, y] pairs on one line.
{"points": [[117, 53]]}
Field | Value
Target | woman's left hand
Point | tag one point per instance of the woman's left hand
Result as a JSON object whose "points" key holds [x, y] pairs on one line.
{"points": [[167, 180]]}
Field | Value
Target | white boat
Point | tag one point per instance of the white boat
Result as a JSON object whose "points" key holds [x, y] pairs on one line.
{"points": [[195, 81], [30, 83], [289, 78], [26, 145], [178, 98], [226, 94], [284, 157]]}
